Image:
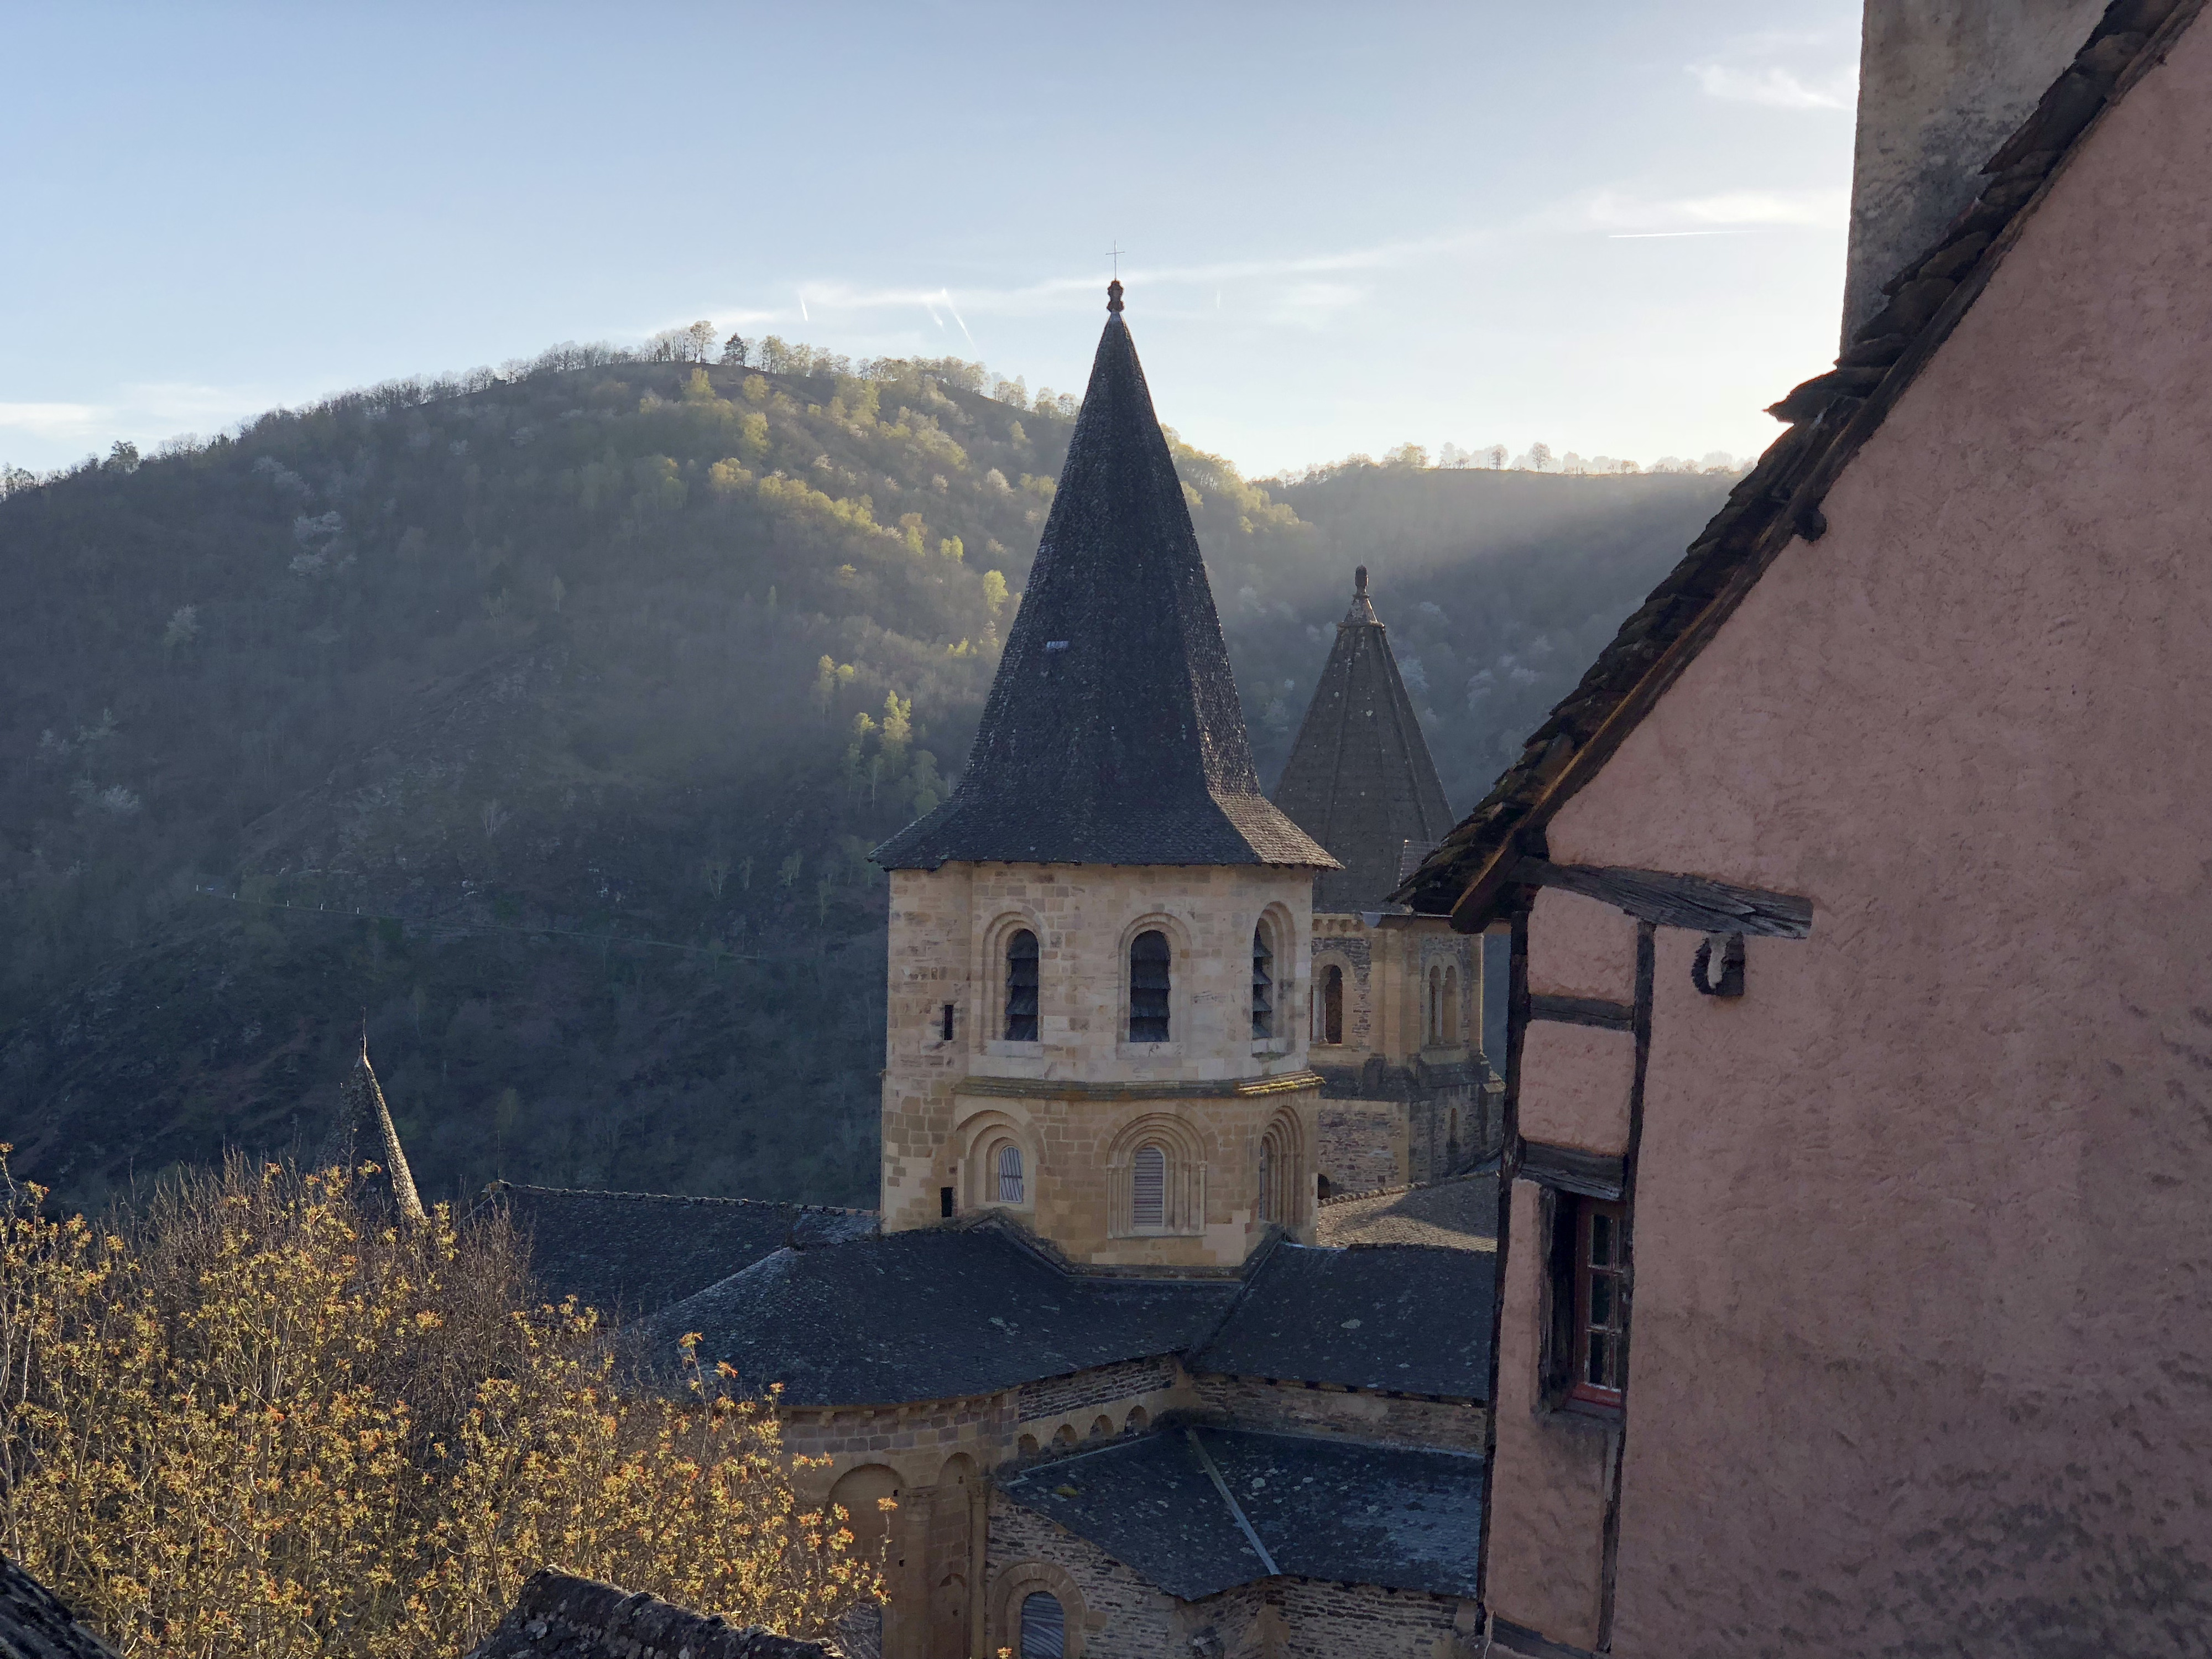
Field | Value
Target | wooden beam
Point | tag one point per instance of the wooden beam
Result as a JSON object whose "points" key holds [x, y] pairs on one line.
{"points": [[1584, 1010], [1697, 902]]}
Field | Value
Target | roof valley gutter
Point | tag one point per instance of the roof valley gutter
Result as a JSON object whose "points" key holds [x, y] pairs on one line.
{"points": [[1235, 1509]]}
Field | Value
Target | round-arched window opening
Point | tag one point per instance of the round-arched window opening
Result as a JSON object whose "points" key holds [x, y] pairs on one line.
{"points": [[1148, 1186], [1451, 1005], [1149, 959], [1328, 1018], [1008, 1169], [1263, 984], [1044, 1627], [1138, 1418], [1021, 1021]]}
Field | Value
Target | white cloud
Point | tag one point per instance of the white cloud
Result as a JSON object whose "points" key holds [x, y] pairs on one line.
{"points": [[1777, 88], [1732, 210], [51, 420]]}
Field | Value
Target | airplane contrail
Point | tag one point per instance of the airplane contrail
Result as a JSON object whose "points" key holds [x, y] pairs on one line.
{"points": [[947, 294]]}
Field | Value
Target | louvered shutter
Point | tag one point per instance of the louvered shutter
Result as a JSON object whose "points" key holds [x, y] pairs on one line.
{"points": [[1044, 1627], [1148, 1188]]}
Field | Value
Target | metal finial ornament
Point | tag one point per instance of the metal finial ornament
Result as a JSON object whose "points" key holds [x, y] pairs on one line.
{"points": [[1359, 583], [1114, 297]]}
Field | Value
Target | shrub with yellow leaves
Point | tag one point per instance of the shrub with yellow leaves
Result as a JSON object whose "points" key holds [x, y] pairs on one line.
{"points": [[261, 1416]]}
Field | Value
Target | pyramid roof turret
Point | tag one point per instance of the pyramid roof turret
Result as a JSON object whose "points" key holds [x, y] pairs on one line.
{"points": [[1360, 779], [1113, 733]]}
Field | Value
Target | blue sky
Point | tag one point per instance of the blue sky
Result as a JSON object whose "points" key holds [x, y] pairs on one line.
{"points": [[1617, 228]]}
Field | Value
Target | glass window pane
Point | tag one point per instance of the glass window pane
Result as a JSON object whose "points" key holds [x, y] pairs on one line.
{"points": [[1601, 1300], [1595, 1371], [1600, 1253]]}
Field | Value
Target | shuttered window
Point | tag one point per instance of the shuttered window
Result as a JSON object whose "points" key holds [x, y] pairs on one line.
{"points": [[1148, 1186], [1148, 987], [1332, 1004], [1263, 984], [1010, 1173], [1022, 987], [1044, 1627]]}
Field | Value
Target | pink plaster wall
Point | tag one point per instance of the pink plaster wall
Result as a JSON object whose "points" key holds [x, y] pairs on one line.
{"points": [[1923, 1312], [1579, 947], [1575, 1084]]}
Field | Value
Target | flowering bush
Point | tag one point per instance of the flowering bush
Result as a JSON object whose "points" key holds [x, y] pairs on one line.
{"points": [[262, 1418]]}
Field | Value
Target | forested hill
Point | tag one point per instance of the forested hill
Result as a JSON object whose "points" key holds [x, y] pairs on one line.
{"points": [[547, 719]]}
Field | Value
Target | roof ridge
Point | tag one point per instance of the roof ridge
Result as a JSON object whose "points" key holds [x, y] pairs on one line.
{"points": [[1831, 417], [504, 1186]]}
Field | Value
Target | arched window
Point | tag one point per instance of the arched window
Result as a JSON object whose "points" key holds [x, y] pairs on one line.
{"points": [[1451, 1005], [1436, 1022], [1148, 1186], [1148, 987], [1263, 984], [1044, 1627], [1008, 1160], [1022, 987], [1279, 1172], [1328, 1016]]}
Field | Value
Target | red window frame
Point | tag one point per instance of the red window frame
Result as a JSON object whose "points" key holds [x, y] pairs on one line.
{"points": [[1598, 1359]]}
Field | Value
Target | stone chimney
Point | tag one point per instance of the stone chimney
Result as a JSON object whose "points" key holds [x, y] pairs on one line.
{"points": [[1942, 83]]}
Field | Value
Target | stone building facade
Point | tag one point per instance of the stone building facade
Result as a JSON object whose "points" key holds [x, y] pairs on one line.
{"points": [[1121, 1394], [1393, 1009]]}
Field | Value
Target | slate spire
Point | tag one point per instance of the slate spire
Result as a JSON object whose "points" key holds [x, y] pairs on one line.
{"points": [[1360, 779], [1113, 733], [363, 1115]]}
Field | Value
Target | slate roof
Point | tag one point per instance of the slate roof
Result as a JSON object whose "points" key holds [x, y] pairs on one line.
{"points": [[558, 1616], [34, 1623], [945, 1313], [1411, 1318], [362, 1116], [1831, 416], [631, 1253], [1113, 733], [1322, 1508], [1359, 780], [930, 1315]]}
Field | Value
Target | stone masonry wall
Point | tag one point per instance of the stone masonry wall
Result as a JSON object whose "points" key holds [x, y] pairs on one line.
{"points": [[1120, 1616], [1355, 1414], [1107, 1384]]}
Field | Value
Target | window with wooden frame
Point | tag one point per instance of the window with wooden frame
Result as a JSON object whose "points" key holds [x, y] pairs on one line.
{"points": [[1590, 1301]]}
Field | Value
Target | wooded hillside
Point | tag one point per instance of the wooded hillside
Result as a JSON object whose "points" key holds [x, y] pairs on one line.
{"points": [[547, 717]]}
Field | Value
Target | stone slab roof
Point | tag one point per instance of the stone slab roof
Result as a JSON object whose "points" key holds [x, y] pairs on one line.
{"points": [[1829, 417], [1407, 1318], [559, 1617], [1459, 1213], [631, 1253], [1113, 733], [948, 1313], [1359, 780], [34, 1623], [932, 1315], [1329, 1510]]}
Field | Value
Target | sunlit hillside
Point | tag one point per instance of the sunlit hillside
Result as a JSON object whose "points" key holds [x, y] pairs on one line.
{"points": [[546, 718]]}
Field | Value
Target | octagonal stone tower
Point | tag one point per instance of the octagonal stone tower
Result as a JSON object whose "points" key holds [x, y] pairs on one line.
{"points": [[1099, 943]]}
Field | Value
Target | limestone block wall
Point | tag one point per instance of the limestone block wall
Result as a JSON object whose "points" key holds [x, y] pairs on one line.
{"points": [[1078, 1100], [1381, 1419], [1362, 1143]]}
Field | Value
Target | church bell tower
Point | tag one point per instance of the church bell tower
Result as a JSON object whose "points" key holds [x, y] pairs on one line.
{"points": [[1099, 944]]}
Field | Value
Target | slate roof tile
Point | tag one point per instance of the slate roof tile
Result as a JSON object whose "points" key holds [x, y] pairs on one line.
{"points": [[559, 1616], [1831, 415], [1113, 733], [35, 1623], [1360, 779], [631, 1253], [1411, 1318], [1329, 1510]]}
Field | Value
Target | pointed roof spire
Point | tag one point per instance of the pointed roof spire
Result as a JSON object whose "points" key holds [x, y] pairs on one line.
{"points": [[363, 1113], [1112, 734], [1360, 779]]}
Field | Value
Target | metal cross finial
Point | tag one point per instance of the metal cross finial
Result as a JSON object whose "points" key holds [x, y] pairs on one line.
{"points": [[1113, 288], [1114, 254]]}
